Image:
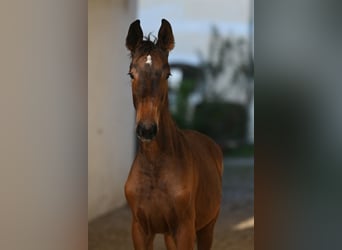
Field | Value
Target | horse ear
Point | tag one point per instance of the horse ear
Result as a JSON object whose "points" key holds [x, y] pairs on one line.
{"points": [[134, 36], [165, 36]]}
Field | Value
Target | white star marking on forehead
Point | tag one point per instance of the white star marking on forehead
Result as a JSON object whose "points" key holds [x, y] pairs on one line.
{"points": [[149, 60]]}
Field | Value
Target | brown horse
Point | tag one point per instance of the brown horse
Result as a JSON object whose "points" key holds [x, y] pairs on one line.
{"points": [[174, 186]]}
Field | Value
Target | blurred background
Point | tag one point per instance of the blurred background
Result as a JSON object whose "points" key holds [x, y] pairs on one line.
{"points": [[211, 90]]}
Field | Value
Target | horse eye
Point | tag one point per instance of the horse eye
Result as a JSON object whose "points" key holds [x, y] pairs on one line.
{"points": [[131, 75], [168, 75]]}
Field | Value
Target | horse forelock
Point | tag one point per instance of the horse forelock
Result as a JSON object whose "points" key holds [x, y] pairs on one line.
{"points": [[147, 45]]}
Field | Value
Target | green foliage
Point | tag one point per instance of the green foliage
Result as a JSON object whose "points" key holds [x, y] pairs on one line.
{"points": [[225, 122], [241, 151], [187, 86], [222, 121]]}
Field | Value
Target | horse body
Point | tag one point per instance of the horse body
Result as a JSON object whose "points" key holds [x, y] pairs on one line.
{"points": [[174, 185]]}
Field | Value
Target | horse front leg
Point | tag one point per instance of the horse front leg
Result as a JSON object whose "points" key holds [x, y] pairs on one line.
{"points": [[186, 235], [170, 242], [205, 235], [141, 239]]}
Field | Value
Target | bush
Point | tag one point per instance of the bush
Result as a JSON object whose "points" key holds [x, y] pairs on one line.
{"points": [[221, 120]]}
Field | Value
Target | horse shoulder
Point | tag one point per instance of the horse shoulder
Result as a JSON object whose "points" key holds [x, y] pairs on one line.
{"points": [[204, 147]]}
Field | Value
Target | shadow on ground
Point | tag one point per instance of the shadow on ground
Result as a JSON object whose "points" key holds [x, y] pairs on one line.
{"points": [[234, 229]]}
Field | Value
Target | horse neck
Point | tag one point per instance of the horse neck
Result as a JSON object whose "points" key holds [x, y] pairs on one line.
{"points": [[167, 129]]}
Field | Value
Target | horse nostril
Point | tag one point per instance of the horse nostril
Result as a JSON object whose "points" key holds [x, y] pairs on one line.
{"points": [[139, 130], [146, 131], [154, 129]]}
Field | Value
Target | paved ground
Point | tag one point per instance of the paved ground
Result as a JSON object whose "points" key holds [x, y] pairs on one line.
{"points": [[234, 228]]}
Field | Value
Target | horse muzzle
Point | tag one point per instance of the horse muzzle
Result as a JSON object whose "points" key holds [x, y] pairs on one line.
{"points": [[146, 131]]}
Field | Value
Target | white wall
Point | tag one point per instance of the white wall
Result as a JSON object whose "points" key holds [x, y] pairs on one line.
{"points": [[110, 108]]}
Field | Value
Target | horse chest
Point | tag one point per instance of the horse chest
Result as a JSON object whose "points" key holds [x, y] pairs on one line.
{"points": [[159, 200], [156, 193]]}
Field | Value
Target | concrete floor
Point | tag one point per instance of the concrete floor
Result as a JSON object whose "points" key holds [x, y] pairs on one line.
{"points": [[234, 229]]}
